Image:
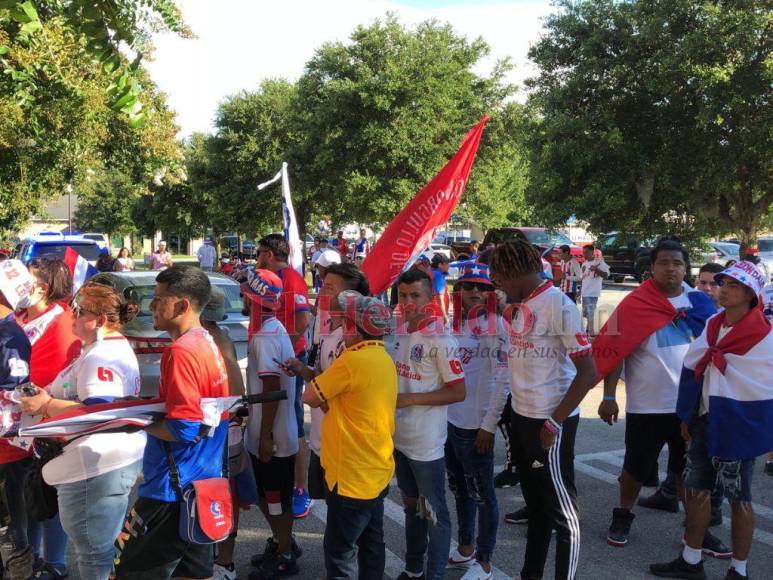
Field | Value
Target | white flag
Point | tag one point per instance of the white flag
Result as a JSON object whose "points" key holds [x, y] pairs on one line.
{"points": [[289, 223]]}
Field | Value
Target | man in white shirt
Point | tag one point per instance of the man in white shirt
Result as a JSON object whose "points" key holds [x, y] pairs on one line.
{"points": [[594, 271], [571, 273], [650, 332], [207, 255], [430, 377], [472, 423], [272, 430], [551, 371]]}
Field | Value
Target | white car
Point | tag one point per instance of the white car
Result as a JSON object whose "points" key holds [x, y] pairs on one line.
{"points": [[765, 246], [437, 249], [148, 343], [100, 239]]}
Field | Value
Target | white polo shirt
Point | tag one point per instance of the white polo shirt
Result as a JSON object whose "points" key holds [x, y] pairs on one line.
{"points": [[426, 361], [483, 346], [271, 342], [546, 332]]}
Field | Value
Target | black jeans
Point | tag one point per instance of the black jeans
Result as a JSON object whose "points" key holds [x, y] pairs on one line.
{"points": [[547, 482], [354, 537], [14, 542]]}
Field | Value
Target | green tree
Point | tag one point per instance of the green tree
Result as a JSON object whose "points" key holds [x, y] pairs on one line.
{"points": [[655, 116], [57, 127], [380, 115], [107, 204]]}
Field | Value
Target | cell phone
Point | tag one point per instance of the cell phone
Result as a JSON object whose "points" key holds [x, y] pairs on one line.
{"points": [[281, 364]]}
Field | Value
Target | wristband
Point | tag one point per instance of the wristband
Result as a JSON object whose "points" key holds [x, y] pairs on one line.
{"points": [[609, 398], [550, 426]]}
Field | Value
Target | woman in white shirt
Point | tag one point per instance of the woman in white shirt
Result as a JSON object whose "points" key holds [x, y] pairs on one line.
{"points": [[95, 474], [124, 262]]}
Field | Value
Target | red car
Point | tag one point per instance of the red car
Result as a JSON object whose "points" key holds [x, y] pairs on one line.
{"points": [[542, 237]]}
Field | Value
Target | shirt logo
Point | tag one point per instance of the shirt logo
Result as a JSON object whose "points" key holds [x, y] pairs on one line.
{"points": [[215, 509], [456, 366], [105, 375], [582, 339], [417, 353]]}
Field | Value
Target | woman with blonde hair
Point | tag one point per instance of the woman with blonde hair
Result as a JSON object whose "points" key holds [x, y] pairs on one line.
{"points": [[95, 474]]}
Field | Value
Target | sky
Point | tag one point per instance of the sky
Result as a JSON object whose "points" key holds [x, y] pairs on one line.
{"points": [[241, 42]]}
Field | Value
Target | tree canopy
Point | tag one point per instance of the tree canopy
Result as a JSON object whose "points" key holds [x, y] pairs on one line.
{"points": [[655, 116]]}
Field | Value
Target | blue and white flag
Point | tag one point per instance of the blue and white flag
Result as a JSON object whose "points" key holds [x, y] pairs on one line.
{"points": [[289, 223]]}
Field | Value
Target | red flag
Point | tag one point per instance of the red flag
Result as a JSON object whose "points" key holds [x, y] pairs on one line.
{"points": [[415, 226]]}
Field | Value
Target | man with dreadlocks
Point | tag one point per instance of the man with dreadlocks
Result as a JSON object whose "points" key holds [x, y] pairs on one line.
{"points": [[550, 373]]}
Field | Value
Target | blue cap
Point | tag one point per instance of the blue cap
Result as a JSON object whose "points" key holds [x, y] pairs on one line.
{"points": [[474, 272]]}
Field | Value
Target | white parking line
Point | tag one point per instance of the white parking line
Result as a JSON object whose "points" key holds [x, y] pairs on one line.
{"points": [[395, 513], [394, 565], [615, 458]]}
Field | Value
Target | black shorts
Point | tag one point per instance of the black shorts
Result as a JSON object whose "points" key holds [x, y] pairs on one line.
{"points": [[149, 545], [645, 436], [275, 480], [317, 485]]}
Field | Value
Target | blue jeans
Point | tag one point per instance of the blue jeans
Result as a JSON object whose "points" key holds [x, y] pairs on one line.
{"points": [[92, 513], [471, 480], [354, 537], [54, 540], [589, 304], [14, 542], [426, 530]]}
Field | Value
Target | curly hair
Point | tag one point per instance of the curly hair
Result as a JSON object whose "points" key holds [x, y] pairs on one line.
{"points": [[103, 300], [515, 258]]}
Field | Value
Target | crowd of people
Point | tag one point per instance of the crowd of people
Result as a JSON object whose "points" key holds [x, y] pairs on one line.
{"points": [[415, 390]]}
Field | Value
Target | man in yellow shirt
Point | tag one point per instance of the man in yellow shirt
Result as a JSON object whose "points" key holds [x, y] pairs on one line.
{"points": [[359, 391]]}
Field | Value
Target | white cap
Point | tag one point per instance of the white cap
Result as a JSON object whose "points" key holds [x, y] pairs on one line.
{"points": [[327, 258], [746, 273]]}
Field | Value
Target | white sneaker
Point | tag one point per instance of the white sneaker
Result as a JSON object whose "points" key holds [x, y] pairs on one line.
{"points": [[458, 561], [224, 572], [476, 572]]}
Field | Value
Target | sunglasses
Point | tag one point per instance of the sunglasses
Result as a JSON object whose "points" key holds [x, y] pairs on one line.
{"points": [[79, 311], [470, 286]]}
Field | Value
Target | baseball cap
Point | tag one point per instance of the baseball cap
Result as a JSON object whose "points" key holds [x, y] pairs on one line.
{"points": [[474, 272], [370, 314], [746, 273], [327, 258], [214, 311], [263, 287], [16, 283]]}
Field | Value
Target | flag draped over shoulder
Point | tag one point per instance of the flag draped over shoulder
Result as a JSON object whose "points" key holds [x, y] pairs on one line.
{"points": [[641, 313], [413, 229], [735, 373], [79, 267]]}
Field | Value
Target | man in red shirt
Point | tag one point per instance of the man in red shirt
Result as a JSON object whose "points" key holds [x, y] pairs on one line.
{"points": [[192, 368], [340, 244], [294, 314]]}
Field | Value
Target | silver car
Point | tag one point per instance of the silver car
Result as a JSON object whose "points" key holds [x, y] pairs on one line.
{"points": [[148, 343]]}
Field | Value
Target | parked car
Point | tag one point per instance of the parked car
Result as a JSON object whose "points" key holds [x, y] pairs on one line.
{"points": [[437, 249], [548, 240], [765, 245], [149, 344], [100, 239], [43, 245], [231, 244], [626, 255], [458, 244]]}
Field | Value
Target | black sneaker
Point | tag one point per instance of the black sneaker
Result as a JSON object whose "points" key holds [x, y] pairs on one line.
{"points": [[768, 471], [716, 517], [404, 576], [733, 575], [276, 566], [679, 569], [658, 501], [714, 547], [271, 549], [620, 528], [520, 516], [506, 478]]}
